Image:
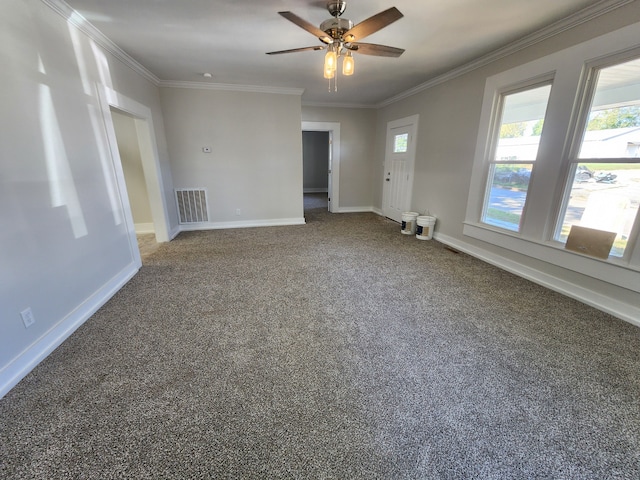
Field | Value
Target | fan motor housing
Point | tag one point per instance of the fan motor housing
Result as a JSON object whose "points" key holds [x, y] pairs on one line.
{"points": [[336, 27], [336, 7]]}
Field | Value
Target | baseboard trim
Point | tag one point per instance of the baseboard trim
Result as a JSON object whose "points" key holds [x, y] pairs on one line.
{"points": [[24, 363], [277, 222], [354, 210], [174, 232], [144, 228], [624, 311], [315, 190]]}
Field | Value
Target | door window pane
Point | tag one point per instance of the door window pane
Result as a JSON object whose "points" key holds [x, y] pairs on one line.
{"points": [[400, 143]]}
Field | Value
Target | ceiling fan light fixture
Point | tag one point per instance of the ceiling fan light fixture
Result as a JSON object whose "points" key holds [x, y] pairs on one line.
{"points": [[348, 64], [328, 73], [339, 36], [330, 61]]}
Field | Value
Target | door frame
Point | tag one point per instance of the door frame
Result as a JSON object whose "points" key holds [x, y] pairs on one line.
{"points": [[334, 158], [150, 162], [412, 122]]}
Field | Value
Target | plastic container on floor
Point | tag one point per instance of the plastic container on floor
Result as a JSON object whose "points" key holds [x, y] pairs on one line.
{"points": [[409, 223], [424, 228]]}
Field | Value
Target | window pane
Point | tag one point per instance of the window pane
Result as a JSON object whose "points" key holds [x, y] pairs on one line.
{"points": [[507, 195], [400, 143], [604, 197], [613, 127], [521, 124]]}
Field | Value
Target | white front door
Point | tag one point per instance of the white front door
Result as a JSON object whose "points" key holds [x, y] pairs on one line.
{"points": [[398, 167]]}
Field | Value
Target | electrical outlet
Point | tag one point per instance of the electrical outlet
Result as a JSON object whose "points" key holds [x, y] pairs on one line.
{"points": [[27, 317], [238, 212]]}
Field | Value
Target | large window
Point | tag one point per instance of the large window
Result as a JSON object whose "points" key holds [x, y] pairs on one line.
{"points": [[603, 190], [516, 136], [556, 172]]}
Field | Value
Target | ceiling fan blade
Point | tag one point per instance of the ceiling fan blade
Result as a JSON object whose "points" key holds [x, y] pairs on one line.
{"points": [[372, 24], [312, 29], [378, 50], [293, 50]]}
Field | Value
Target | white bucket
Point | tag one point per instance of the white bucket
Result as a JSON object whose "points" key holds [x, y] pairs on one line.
{"points": [[425, 224], [409, 222]]}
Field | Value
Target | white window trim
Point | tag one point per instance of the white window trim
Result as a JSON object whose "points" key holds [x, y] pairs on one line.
{"points": [[567, 67]]}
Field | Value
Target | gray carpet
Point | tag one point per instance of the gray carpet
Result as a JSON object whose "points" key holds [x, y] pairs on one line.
{"points": [[338, 349]]}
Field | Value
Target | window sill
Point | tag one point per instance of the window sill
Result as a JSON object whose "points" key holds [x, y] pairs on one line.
{"points": [[618, 273]]}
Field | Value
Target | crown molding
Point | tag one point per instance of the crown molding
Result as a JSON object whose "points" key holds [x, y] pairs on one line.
{"points": [[230, 87], [586, 14], [337, 105], [82, 24]]}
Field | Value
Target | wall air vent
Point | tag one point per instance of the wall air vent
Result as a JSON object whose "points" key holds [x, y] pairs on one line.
{"points": [[192, 205]]}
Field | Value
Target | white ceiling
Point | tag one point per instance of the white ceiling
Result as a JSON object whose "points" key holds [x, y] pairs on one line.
{"points": [[179, 40]]}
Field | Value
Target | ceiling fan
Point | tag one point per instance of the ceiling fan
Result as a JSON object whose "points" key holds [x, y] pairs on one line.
{"points": [[341, 38]]}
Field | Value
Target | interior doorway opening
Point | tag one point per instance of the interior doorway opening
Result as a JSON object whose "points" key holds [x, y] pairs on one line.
{"points": [[110, 102], [315, 161], [135, 181], [332, 134], [315, 169], [131, 159]]}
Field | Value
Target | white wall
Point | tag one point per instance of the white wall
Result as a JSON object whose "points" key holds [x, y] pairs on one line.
{"points": [[131, 160], [449, 120], [357, 130], [65, 244], [255, 164]]}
